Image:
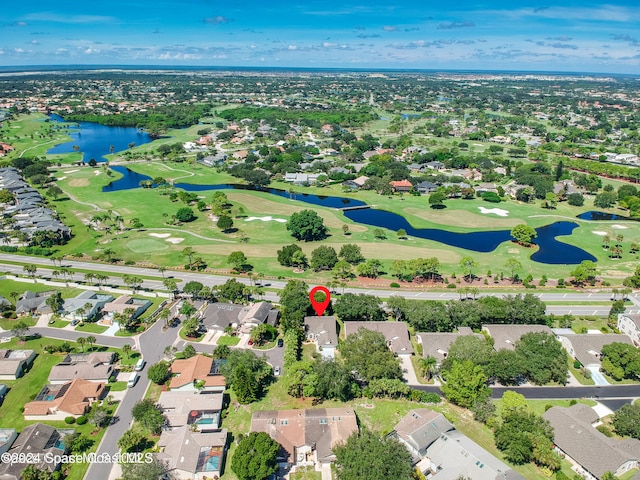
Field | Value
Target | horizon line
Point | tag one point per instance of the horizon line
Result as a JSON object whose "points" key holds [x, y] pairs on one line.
{"points": [[89, 67]]}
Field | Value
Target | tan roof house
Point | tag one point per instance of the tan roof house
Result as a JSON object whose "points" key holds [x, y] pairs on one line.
{"points": [[505, 336], [307, 436], [95, 367], [193, 455], [323, 332], [437, 344], [587, 347], [187, 372], [591, 452], [198, 411], [396, 334], [55, 402], [13, 363], [420, 428]]}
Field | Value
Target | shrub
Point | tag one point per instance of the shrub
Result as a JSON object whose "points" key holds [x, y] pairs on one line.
{"points": [[451, 285], [69, 420], [576, 364], [573, 402], [81, 420], [394, 285]]}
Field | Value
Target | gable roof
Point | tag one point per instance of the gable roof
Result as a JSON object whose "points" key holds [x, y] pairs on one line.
{"points": [[197, 367], [396, 334], [587, 348], [12, 361], [575, 435], [190, 451], [88, 366], [323, 428], [35, 439], [437, 344], [323, 329], [72, 398], [506, 336], [178, 405], [421, 427]]}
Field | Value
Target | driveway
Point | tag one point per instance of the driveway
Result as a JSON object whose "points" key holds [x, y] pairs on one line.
{"points": [[408, 372], [597, 376]]}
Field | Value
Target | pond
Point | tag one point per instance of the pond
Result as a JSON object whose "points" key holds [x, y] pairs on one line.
{"points": [[595, 215], [95, 140], [550, 251]]}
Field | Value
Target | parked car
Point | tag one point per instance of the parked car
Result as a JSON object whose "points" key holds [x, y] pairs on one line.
{"points": [[280, 342], [277, 371]]}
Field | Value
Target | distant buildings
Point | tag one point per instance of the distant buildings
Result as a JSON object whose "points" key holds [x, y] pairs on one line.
{"points": [[13, 363]]}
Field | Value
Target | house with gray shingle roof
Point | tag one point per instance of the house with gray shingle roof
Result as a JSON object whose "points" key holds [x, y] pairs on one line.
{"points": [[396, 334], [505, 336], [323, 332], [591, 452], [587, 348], [436, 344], [193, 455], [629, 324], [85, 305], [420, 428]]}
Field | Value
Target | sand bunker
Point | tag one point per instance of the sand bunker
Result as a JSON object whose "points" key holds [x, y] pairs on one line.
{"points": [[61, 178], [498, 211], [597, 232], [266, 219], [98, 172], [174, 240], [160, 235], [619, 227], [72, 171]]}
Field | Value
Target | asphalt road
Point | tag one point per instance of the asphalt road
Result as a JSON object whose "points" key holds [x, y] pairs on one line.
{"points": [[611, 392]]}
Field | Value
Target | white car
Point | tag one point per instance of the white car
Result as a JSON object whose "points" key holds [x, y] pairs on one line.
{"points": [[277, 371]]}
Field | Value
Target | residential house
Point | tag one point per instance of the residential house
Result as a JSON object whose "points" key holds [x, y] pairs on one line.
{"points": [[85, 305], [94, 367], [587, 348], [356, 182], [485, 187], [301, 178], [323, 332], [307, 436], [426, 187], [14, 363], [629, 324], [201, 411], [420, 428], [401, 186], [121, 304], [7, 437], [565, 188], [505, 336], [213, 160], [57, 401], [218, 316], [32, 302], [395, 333], [43, 444], [193, 455], [590, 452], [454, 455], [417, 167], [198, 373], [435, 165], [436, 344]]}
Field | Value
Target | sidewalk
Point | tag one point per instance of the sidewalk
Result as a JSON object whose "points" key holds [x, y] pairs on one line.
{"points": [[408, 372]]}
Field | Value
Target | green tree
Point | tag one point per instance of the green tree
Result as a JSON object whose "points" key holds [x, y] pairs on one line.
{"points": [[469, 348], [256, 457], [351, 253], [368, 456], [466, 384], [132, 441], [238, 260], [524, 234], [30, 270], [188, 252], [506, 366], [351, 307], [512, 401], [246, 374], [225, 223], [185, 214], [585, 272], [621, 360], [468, 264], [323, 258], [437, 198], [334, 381], [366, 353], [147, 470], [307, 225], [285, 255], [149, 415], [575, 199], [626, 420], [379, 233], [514, 266], [159, 372], [545, 358], [295, 303], [231, 291], [605, 200], [402, 233], [524, 436], [20, 330]]}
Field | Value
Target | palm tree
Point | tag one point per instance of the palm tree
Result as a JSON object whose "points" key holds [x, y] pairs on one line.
{"points": [[162, 270], [30, 270], [429, 366], [91, 339], [82, 341], [165, 313], [88, 277], [126, 349], [14, 296]]}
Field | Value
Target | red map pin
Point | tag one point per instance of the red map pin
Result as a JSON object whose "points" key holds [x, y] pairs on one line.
{"points": [[320, 307]]}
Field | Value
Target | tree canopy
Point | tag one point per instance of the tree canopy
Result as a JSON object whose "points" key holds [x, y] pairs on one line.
{"points": [[256, 457], [307, 225], [366, 353]]}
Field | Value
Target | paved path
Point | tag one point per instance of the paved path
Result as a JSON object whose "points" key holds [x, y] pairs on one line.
{"points": [[408, 372]]}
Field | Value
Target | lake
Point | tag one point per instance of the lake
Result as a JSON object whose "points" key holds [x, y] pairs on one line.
{"points": [[95, 140], [550, 251], [602, 216]]}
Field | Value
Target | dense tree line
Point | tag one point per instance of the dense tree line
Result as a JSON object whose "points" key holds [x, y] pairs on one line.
{"points": [[315, 118]]}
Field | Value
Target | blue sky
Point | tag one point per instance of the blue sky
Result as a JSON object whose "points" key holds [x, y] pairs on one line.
{"points": [[507, 35]]}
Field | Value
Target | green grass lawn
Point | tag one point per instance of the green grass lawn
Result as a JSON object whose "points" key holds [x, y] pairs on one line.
{"points": [[117, 386], [307, 473], [58, 323], [578, 376], [8, 323], [191, 339], [228, 340], [91, 328]]}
